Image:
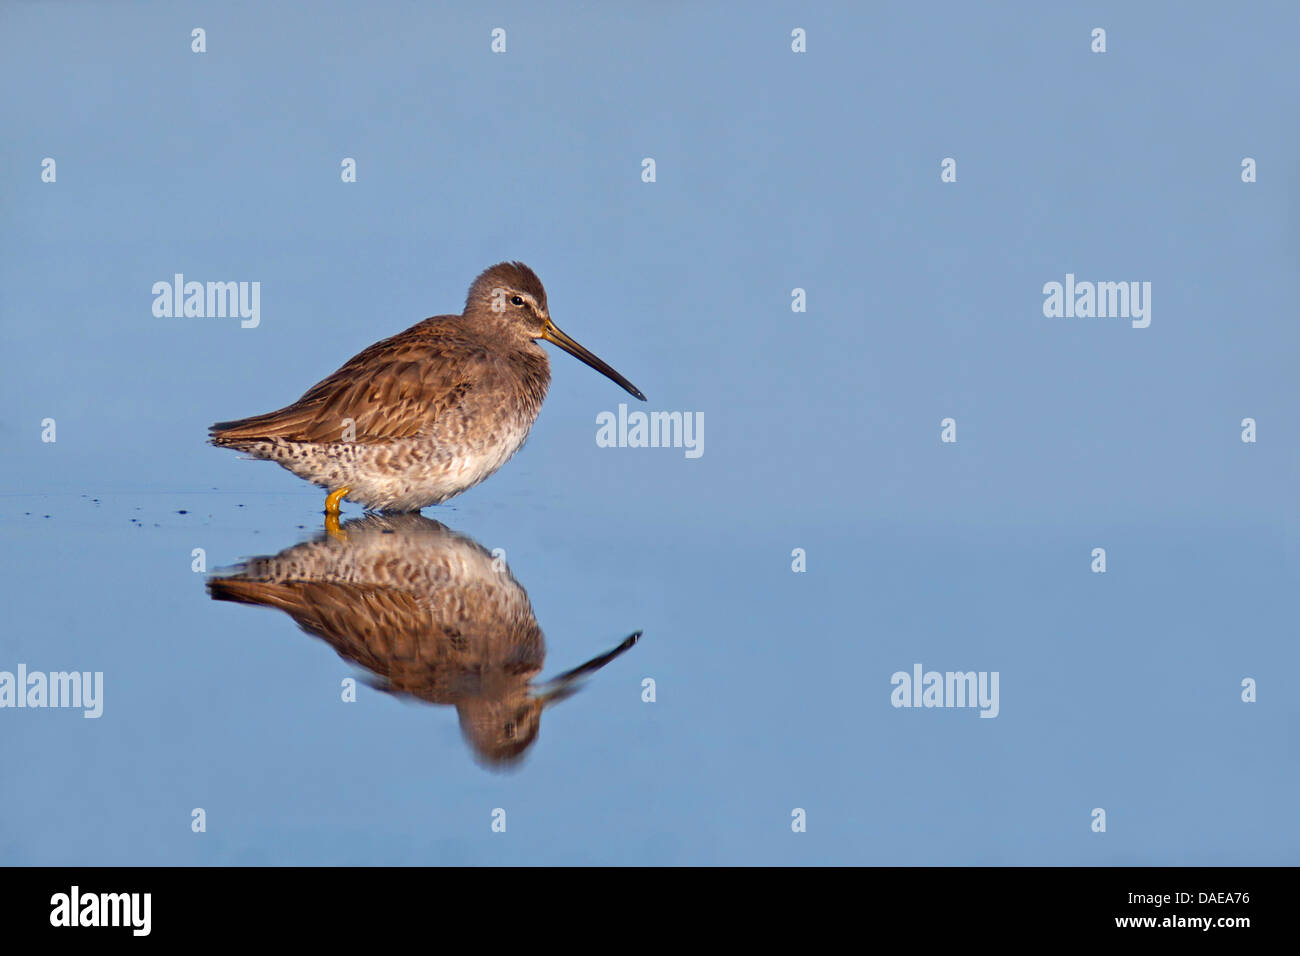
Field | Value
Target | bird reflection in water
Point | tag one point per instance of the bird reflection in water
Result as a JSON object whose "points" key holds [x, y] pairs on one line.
{"points": [[430, 612]]}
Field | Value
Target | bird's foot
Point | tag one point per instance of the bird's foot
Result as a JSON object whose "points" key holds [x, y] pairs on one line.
{"points": [[334, 500]]}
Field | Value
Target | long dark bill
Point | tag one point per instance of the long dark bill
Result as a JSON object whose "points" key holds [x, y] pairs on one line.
{"points": [[552, 333]]}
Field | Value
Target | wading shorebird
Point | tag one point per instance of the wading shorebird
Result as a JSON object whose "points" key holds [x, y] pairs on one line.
{"points": [[430, 613], [419, 417]]}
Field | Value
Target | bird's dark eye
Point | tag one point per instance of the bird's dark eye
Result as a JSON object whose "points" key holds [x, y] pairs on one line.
{"points": [[517, 300]]}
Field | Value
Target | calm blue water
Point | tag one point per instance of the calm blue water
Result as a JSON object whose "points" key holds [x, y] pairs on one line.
{"points": [[1119, 690]]}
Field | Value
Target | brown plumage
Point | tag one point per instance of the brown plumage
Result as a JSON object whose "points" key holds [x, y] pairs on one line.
{"points": [[427, 413], [430, 612]]}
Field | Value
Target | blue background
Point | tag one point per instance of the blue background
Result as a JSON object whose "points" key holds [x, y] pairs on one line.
{"points": [[774, 171]]}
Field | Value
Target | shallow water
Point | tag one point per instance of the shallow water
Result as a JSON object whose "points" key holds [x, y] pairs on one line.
{"points": [[772, 693]]}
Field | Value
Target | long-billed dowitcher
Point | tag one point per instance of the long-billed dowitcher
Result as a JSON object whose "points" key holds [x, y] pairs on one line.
{"points": [[423, 415], [430, 613]]}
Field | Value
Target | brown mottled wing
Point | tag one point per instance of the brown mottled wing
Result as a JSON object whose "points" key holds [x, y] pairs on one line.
{"points": [[394, 389]]}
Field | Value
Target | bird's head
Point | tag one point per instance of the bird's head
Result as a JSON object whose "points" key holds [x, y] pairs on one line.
{"points": [[512, 291]]}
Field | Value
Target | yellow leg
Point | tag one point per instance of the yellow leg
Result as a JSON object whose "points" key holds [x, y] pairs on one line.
{"points": [[333, 500], [332, 527]]}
